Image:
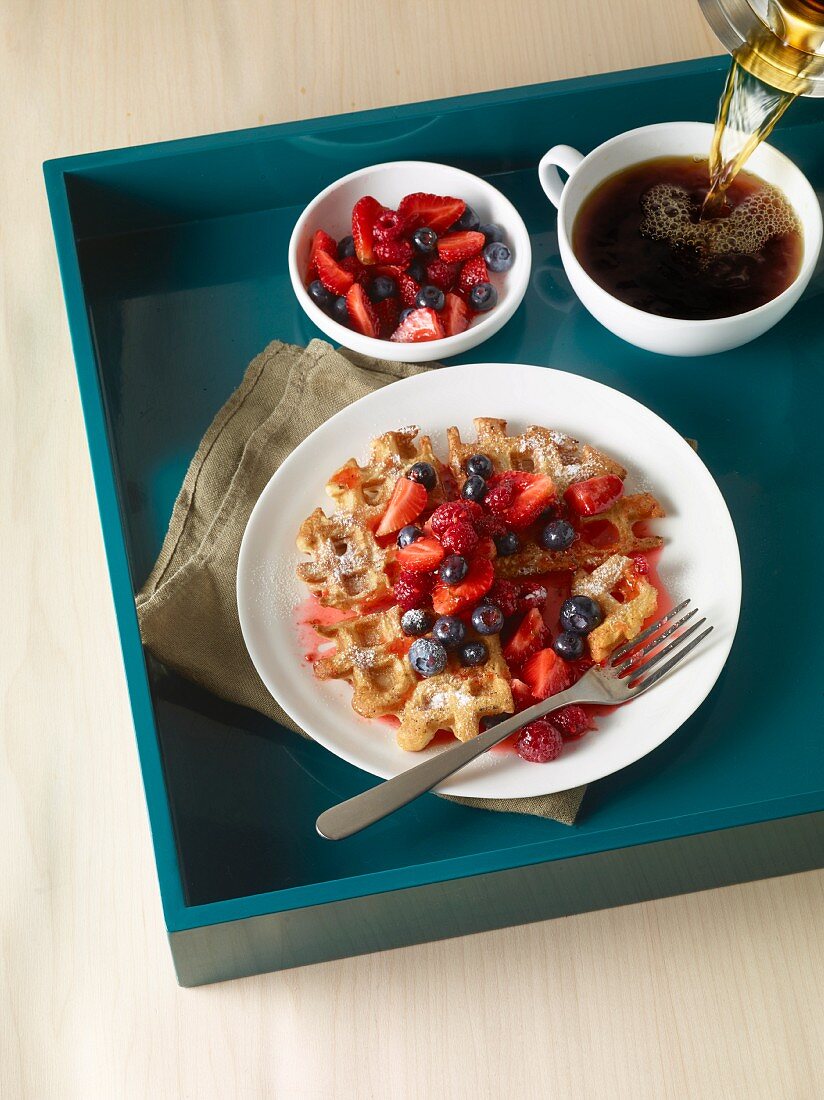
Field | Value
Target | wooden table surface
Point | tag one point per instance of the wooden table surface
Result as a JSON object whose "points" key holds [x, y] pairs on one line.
{"points": [[712, 995]]}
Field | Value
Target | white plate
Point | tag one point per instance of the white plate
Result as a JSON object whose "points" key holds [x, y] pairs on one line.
{"points": [[700, 560]]}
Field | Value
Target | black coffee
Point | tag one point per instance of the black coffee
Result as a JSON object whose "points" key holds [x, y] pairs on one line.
{"points": [[640, 236]]}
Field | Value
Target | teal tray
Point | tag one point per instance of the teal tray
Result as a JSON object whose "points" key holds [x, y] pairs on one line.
{"points": [[173, 259]]}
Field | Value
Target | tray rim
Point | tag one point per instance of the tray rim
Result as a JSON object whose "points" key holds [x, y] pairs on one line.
{"points": [[179, 916]]}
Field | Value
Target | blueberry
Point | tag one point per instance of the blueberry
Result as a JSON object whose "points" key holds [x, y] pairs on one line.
{"points": [[568, 645], [453, 569], [339, 311], [424, 473], [408, 534], [383, 287], [490, 720], [405, 313], [482, 296], [492, 232], [449, 631], [468, 220], [346, 247], [416, 622], [580, 614], [427, 657], [507, 544], [430, 297], [320, 295], [480, 465], [425, 240], [473, 653], [474, 488], [417, 271], [488, 618], [557, 535], [498, 256]]}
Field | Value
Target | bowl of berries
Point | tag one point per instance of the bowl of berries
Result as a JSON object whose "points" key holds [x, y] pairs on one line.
{"points": [[410, 260]]}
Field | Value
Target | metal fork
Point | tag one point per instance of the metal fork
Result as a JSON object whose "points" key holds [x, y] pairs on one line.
{"points": [[627, 675]]}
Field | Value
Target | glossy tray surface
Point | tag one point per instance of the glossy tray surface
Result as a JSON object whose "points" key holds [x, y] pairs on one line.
{"points": [[174, 265]]}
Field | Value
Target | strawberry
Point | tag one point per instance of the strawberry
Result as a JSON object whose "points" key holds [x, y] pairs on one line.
{"points": [[527, 638], [442, 274], [389, 226], [387, 312], [456, 315], [356, 269], [392, 270], [408, 289], [422, 555], [332, 275], [486, 548], [364, 215], [474, 271], [436, 211], [407, 502], [573, 722], [321, 242], [447, 599], [456, 247], [518, 497], [521, 695], [545, 672], [421, 324], [595, 495], [393, 252], [361, 313], [460, 538]]}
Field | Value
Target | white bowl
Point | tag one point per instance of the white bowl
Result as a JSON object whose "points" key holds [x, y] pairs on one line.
{"points": [[388, 183]]}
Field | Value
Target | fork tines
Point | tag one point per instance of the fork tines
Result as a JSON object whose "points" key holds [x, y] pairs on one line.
{"points": [[633, 664]]}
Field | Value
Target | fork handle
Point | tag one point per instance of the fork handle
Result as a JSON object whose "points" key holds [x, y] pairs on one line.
{"points": [[365, 809]]}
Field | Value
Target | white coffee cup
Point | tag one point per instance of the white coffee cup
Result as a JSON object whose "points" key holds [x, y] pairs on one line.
{"points": [[671, 335]]}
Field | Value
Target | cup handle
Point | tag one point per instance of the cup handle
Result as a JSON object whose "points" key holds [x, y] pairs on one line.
{"points": [[559, 156]]}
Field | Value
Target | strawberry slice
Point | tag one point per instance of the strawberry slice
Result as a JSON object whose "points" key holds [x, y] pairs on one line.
{"points": [[394, 271], [387, 312], [447, 599], [455, 315], [442, 274], [321, 242], [364, 215], [518, 497], [408, 289], [436, 211], [521, 695], [545, 673], [332, 275], [456, 247], [527, 638], [422, 556], [407, 502], [591, 497], [474, 271], [361, 313], [356, 269], [421, 324]]}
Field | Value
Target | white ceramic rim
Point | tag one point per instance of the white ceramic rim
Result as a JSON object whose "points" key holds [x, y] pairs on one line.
{"points": [[675, 708], [517, 277]]}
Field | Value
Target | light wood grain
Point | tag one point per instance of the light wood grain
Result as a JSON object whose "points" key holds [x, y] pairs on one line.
{"points": [[713, 995]]}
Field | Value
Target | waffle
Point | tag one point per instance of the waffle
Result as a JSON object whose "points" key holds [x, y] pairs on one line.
{"points": [[456, 699], [364, 491], [623, 516], [347, 569], [370, 652], [623, 619], [537, 450]]}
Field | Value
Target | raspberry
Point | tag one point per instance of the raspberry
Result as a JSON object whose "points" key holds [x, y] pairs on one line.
{"points": [[388, 226], [442, 274], [473, 510], [641, 566], [454, 511], [500, 497], [573, 722], [532, 594], [412, 590], [539, 742], [505, 595], [460, 538], [490, 526], [393, 252]]}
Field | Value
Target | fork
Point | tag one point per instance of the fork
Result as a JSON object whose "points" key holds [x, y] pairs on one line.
{"points": [[627, 674]]}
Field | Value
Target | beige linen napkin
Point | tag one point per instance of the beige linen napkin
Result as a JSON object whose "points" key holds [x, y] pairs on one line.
{"points": [[187, 608]]}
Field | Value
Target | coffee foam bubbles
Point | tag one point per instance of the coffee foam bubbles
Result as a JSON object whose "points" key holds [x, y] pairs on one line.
{"points": [[669, 212]]}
